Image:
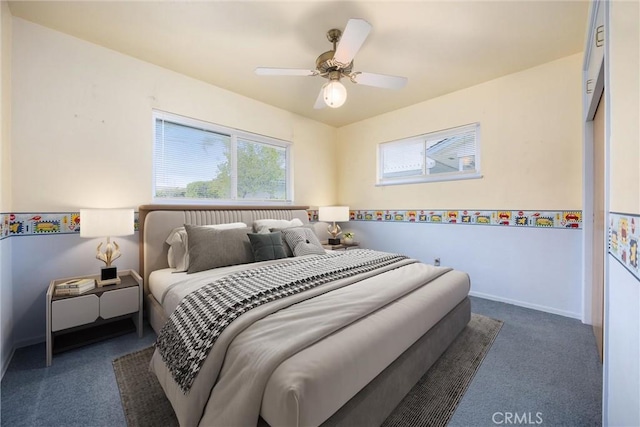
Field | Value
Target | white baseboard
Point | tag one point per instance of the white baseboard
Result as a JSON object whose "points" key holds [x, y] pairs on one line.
{"points": [[5, 363], [527, 305], [29, 341], [17, 345]]}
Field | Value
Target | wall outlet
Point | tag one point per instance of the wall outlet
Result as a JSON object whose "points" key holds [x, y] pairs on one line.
{"points": [[436, 261]]}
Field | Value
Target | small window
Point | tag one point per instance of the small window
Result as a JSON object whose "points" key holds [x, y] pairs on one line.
{"points": [[202, 162], [438, 156]]}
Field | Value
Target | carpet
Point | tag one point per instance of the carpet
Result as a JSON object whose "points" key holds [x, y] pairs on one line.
{"points": [[431, 402]]}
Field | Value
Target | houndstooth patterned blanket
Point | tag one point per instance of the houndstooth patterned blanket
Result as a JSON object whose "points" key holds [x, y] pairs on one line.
{"points": [[195, 325]]}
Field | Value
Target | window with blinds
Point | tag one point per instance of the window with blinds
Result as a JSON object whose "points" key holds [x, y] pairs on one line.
{"points": [[438, 156], [204, 162]]}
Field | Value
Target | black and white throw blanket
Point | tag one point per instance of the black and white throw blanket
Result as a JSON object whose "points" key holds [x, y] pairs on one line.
{"points": [[195, 325]]}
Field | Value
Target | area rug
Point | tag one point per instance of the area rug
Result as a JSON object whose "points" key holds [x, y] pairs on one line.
{"points": [[431, 402]]}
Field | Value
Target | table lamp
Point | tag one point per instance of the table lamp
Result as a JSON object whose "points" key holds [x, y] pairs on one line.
{"points": [[333, 214], [107, 223]]}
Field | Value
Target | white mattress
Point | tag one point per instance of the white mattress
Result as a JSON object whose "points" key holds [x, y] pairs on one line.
{"points": [[161, 280]]}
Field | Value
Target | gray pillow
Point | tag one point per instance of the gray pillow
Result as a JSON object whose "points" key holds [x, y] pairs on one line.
{"points": [[267, 246], [211, 248], [178, 255], [303, 241]]}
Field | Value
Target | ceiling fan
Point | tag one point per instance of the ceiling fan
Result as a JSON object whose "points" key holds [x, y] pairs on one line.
{"points": [[337, 63]]}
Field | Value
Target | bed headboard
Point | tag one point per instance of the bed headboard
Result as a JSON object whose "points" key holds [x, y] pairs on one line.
{"points": [[156, 221]]}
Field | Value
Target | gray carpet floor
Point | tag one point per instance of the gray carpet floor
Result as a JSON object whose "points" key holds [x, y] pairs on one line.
{"points": [[541, 366]]}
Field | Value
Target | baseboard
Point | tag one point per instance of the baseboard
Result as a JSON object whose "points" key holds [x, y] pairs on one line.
{"points": [[527, 305], [5, 363], [29, 341]]}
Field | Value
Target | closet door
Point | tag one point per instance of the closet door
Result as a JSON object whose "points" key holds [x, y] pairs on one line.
{"points": [[599, 230]]}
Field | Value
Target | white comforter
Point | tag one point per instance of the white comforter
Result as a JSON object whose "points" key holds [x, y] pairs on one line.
{"points": [[231, 384]]}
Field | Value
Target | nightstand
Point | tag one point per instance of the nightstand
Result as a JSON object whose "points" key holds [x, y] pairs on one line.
{"points": [[341, 246], [101, 313]]}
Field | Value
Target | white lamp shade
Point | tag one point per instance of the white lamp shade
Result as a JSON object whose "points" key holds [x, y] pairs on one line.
{"points": [[106, 222], [334, 93], [333, 213]]}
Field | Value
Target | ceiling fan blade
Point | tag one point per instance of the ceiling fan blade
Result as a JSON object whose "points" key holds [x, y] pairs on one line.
{"points": [[352, 39], [379, 80], [265, 71], [320, 104]]}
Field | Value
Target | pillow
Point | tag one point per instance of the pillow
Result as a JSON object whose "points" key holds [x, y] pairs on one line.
{"points": [[262, 225], [211, 248], [287, 248], [267, 246], [303, 241], [178, 256]]}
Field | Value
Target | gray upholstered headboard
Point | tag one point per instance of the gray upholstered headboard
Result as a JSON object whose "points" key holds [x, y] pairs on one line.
{"points": [[156, 221]]}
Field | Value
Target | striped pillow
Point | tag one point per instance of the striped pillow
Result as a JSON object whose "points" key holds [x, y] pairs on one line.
{"points": [[303, 241]]}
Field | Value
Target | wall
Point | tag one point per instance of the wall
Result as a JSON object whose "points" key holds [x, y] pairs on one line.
{"points": [[622, 299], [624, 175], [82, 125], [531, 159], [6, 294], [531, 151], [533, 268], [82, 137]]}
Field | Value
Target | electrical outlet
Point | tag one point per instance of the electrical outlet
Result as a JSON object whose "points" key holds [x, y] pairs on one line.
{"points": [[436, 261]]}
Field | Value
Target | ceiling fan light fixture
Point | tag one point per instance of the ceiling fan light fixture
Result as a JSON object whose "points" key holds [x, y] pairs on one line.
{"points": [[334, 94]]}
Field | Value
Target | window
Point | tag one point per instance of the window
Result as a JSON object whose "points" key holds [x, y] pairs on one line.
{"points": [[201, 162], [438, 156]]}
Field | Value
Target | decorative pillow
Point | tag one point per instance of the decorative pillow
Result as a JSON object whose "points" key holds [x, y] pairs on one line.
{"points": [[303, 241], [267, 246], [211, 248], [262, 225], [178, 256], [287, 248]]}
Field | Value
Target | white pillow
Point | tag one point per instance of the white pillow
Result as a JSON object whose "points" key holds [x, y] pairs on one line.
{"points": [[178, 255], [263, 225]]}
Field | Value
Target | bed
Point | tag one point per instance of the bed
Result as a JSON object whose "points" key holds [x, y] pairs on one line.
{"points": [[344, 352]]}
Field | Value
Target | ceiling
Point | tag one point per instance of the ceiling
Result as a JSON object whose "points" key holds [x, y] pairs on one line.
{"points": [[441, 46]]}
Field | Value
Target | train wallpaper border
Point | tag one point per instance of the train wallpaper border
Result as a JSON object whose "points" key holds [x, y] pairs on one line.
{"points": [[515, 218], [624, 236], [624, 229], [31, 224]]}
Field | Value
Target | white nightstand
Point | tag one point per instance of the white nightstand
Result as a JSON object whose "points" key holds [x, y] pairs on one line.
{"points": [[101, 313]]}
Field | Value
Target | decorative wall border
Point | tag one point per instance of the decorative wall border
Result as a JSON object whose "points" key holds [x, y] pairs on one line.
{"points": [[513, 218], [31, 224], [624, 229], [624, 237], [34, 224]]}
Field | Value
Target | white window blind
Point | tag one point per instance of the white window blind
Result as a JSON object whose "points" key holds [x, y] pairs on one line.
{"points": [[200, 161], [444, 155]]}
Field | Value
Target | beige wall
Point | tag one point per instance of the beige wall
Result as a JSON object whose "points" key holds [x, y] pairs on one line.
{"points": [[530, 137], [82, 125], [622, 320], [5, 108], [624, 51]]}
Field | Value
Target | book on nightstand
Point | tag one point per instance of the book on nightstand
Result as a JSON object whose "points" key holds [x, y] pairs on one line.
{"points": [[75, 287]]}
